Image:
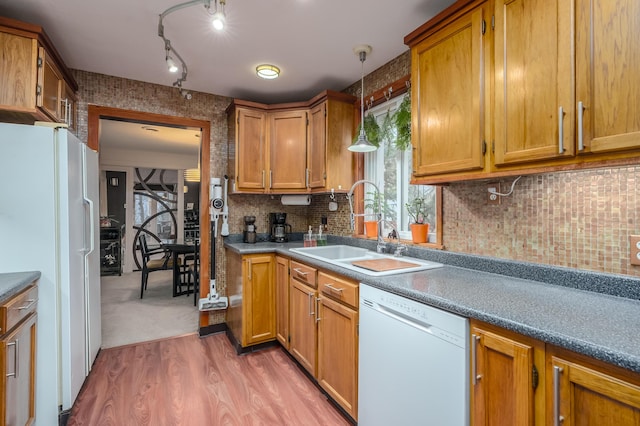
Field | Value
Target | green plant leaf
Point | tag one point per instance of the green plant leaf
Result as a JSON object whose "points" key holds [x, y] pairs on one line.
{"points": [[371, 129], [402, 119]]}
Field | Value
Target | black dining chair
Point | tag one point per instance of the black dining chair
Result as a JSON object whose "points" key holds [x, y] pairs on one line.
{"points": [[194, 272], [151, 265]]}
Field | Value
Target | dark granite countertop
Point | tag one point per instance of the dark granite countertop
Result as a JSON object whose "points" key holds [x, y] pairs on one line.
{"points": [[14, 282], [554, 307]]}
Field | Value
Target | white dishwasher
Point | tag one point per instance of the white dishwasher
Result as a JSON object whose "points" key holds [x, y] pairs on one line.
{"points": [[413, 363]]}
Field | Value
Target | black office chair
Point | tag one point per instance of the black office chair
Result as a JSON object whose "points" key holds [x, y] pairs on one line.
{"points": [[151, 265]]}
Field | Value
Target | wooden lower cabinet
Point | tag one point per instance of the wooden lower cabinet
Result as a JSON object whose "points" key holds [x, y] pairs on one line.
{"points": [[323, 326], [251, 316], [18, 358], [507, 370], [302, 316], [282, 301], [584, 392], [338, 353]]}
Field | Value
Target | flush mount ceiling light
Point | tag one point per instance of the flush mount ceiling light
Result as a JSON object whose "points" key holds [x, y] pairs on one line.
{"points": [[218, 22], [362, 144], [268, 72]]}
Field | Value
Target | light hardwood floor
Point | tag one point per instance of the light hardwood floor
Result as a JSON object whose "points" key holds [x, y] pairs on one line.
{"points": [[196, 381]]}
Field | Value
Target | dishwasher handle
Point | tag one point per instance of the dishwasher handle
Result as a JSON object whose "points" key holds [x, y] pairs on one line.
{"points": [[411, 322]]}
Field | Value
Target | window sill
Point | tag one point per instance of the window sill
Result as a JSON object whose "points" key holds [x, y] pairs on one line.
{"points": [[434, 246]]}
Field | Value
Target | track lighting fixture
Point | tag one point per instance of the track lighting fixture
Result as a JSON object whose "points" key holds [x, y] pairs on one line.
{"points": [[219, 20]]}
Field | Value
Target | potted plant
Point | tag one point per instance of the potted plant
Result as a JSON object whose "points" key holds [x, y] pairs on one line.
{"points": [[372, 202], [417, 213], [402, 121]]}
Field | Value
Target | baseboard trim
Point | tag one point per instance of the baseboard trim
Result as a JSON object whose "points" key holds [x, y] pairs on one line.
{"points": [[241, 351], [212, 329]]}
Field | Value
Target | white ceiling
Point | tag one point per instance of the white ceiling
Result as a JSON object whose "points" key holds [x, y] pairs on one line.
{"points": [[310, 40]]}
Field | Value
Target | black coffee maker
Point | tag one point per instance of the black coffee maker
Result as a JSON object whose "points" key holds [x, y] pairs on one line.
{"points": [[249, 232], [280, 230]]}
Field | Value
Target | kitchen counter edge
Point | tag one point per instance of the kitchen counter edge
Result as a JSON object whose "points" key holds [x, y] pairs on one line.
{"points": [[586, 322], [12, 283]]}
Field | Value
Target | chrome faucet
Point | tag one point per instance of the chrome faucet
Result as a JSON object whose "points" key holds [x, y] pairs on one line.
{"points": [[382, 246], [379, 210]]}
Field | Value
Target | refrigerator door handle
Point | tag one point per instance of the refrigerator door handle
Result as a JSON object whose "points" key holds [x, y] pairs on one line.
{"points": [[89, 202]]}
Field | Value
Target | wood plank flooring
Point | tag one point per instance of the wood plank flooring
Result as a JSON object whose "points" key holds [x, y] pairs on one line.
{"points": [[196, 381]]}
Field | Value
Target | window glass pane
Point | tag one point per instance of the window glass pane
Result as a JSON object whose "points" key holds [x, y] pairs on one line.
{"points": [[390, 169]]}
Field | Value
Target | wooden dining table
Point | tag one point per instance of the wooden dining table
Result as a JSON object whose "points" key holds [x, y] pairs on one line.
{"points": [[177, 250]]}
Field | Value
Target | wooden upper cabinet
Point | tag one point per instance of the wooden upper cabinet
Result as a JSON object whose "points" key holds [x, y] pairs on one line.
{"points": [[447, 97], [534, 112], [316, 154], [36, 82], [291, 148], [288, 150], [580, 393], [608, 74], [249, 153], [19, 70]]}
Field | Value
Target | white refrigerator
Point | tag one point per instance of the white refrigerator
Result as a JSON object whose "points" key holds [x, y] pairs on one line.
{"points": [[49, 222]]}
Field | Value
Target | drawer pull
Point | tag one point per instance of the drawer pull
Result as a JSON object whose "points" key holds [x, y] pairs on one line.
{"points": [[28, 305], [16, 343], [300, 272], [332, 288]]}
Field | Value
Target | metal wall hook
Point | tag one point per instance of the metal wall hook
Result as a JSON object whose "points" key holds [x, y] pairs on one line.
{"points": [[370, 102], [332, 197], [408, 84], [387, 93]]}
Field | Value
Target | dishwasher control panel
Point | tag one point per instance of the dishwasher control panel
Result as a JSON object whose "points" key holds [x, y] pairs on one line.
{"points": [[442, 324]]}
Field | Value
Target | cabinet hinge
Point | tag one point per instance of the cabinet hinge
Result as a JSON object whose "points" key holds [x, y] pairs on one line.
{"points": [[493, 22], [534, 377], [484, 147], [484, 26], [38, 90], [39, 62]]}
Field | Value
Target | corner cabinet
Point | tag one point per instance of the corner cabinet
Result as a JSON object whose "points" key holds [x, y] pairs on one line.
{"points": [[18, 357], [291, 148], [549, 87], [251, 316], [38, 84]]}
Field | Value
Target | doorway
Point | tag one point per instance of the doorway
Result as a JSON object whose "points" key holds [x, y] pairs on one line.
{"points": [[96, 119]]}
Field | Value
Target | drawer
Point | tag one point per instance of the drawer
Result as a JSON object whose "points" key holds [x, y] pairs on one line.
{"points": [[18, 308], [303, 273], [340, 289]]}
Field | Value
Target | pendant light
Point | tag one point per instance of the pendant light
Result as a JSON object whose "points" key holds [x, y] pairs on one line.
{"points": [[362, 144]]}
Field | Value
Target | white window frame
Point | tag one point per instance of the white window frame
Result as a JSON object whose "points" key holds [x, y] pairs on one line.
{"points": [[374, 171]]}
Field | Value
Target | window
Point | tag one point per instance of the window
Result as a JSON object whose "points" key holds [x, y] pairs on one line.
{"points": [[390, 168]]}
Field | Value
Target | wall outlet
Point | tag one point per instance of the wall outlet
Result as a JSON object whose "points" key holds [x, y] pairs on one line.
{"points": [[493, 198], [634, 249]]}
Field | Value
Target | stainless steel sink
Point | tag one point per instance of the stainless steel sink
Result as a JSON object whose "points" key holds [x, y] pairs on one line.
{"points": [[344, 256]]}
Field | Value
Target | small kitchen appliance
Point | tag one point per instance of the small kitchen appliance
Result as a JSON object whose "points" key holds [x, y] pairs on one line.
{"points": [[280, 230], [249, 232]]}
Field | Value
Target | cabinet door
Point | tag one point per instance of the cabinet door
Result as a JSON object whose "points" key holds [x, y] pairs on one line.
{"points": [[68, 109], [282, 301], [18, 64], [50, 84], [316, 154], [19, 353], [259, 299], [302, 325], [338, 353], [250, 150], [608, 74], [534, 112], [502, 380], [580, 395], [447, 92], [288, 150]]}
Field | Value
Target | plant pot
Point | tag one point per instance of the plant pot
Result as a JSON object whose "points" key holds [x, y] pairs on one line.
{"points": [[419, 232], [370, 228]]}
